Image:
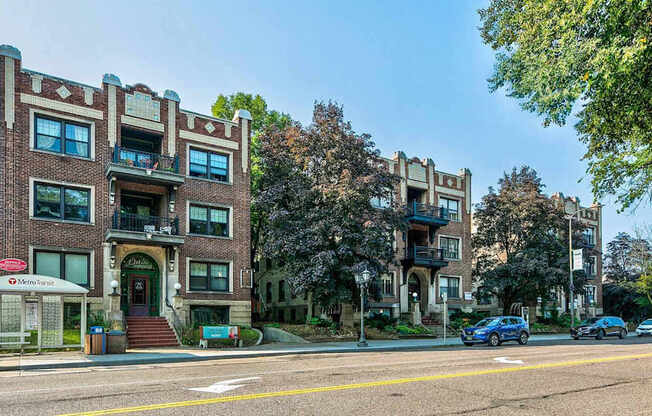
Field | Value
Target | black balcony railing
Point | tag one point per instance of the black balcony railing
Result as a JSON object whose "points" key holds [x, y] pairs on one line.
{"points": [[145, 160], [421, 254], [145, 223], [416, 209]]}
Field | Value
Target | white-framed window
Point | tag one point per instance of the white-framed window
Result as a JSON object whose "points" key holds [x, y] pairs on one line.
{"points": [[589, 236], [590, 294], [590, 267], [71, 266], [61, 201], [451, 207], [208, 165], [387, 284], [449, 285], [451, 247], [58, 133], [209, 220], [208, 275]]}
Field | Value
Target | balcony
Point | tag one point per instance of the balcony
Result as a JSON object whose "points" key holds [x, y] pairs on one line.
{"points": [[144, 167], [426, 214], [426, 257], [144, 229]]}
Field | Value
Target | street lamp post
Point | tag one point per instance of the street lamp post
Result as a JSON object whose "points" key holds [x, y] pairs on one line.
{"points": [[362, 280]]}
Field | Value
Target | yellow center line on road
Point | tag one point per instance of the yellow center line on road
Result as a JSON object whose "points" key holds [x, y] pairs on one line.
{"points": [[356, 385]]}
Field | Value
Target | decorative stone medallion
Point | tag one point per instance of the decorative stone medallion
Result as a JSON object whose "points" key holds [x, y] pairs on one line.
{"points": [[209, 127], [63, 92]]}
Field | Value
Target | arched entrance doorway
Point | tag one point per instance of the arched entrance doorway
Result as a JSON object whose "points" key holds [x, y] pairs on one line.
{"points": [[139, 285], [414, 286]]}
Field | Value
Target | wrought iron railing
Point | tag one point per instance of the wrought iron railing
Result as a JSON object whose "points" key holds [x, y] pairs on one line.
{"points": [[145, 160], [424, 210], [145, 223], [422, 253]]}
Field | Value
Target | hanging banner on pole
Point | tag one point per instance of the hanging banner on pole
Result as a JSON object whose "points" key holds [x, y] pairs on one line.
{"points": [[577, 260]]}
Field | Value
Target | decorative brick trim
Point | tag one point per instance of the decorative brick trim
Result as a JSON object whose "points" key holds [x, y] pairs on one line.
{"points": [[172, 128], [444, 190], [59, 106], [188, 135], [10, 86], [146, 124], [112, 124]]}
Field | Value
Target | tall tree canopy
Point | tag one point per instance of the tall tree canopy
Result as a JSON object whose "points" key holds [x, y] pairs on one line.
{"points": [[224, 107], [627, 258], [551, 54], [317, 190], [521, 241]]}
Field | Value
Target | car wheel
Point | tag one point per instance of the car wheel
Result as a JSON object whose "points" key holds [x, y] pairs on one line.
{"points": [[622, 334], [522, 339], [600, 334], [468, 344], [494, 340], [576, 338]]}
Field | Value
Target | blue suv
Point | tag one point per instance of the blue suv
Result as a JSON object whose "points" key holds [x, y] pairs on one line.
{"points": [[496, 330]]}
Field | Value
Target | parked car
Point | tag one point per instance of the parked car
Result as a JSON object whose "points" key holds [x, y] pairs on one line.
{"points": [[645, 328], [600, 327], [496, 330]]}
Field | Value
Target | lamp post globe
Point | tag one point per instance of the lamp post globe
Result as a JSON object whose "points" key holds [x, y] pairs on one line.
{"points": [[114, 286], [177, 287]]}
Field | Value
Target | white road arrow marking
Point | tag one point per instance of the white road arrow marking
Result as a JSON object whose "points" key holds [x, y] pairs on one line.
{"points": [[504, 360], [224, 386]]}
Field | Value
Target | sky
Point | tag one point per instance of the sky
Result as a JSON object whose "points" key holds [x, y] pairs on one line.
{"points": [[412, 77]]}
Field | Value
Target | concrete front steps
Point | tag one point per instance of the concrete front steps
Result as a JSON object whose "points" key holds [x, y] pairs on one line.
{"points": [[150, 331]]}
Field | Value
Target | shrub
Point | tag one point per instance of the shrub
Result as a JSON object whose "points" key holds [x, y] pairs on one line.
{"points": [[380, 321]]}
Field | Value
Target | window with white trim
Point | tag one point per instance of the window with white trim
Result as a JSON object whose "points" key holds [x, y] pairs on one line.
{"points": [[387, 282], [73, 267], [450, 286], [206, 220], [61, 136], [451, 247], [451, 206], [209, 276], [209, 165], [590, 266], [61, 202], [590, 295]]}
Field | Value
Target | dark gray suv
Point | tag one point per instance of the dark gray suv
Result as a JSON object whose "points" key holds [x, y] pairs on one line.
{"points": [[600, 327]]}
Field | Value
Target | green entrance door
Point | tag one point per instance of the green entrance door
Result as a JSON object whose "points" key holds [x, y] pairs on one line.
{"points": [[140, 286]]}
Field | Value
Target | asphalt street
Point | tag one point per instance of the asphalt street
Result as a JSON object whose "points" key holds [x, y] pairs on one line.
{"points": [[610, 377]]}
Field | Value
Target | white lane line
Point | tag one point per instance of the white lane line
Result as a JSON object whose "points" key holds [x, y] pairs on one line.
{"points": [[504, 360], [223, 386]]}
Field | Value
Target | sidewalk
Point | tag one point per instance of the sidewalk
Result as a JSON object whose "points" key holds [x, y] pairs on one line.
{"points": [[171, 355]]}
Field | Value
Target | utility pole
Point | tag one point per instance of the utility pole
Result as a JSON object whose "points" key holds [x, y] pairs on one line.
{"points": [[571, 286]]}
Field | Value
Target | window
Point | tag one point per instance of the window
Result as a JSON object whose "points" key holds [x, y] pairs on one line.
{"points": [[450, 286], [268, 295], [589, 236], [73, 267], [209, 165], [451, 247], [590, 266], [451, 208], [281, 291], [382, 202], [212, 277], [62, 136], [590, 295], [209, 221], [61, 202], [387, 285], [209, 315]]}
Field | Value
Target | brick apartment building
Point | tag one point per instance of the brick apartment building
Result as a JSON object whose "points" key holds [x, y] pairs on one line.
{"points": [[589, 301], [118, 183], [435, 254]]}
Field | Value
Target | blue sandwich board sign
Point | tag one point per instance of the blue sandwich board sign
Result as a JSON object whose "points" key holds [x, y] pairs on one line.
{"points": [[219, 332]]}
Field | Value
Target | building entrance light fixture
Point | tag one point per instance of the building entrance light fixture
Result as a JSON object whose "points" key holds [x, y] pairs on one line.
{"points": [[114, 286]]}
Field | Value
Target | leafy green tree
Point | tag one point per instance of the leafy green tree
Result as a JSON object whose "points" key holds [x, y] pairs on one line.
{"points": [[521, 241], [317, 190], [224, 107], [627, 258], [554, 54]]}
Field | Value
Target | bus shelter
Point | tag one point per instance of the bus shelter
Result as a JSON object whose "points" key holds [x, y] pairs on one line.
{"points": [[30, 302]]}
